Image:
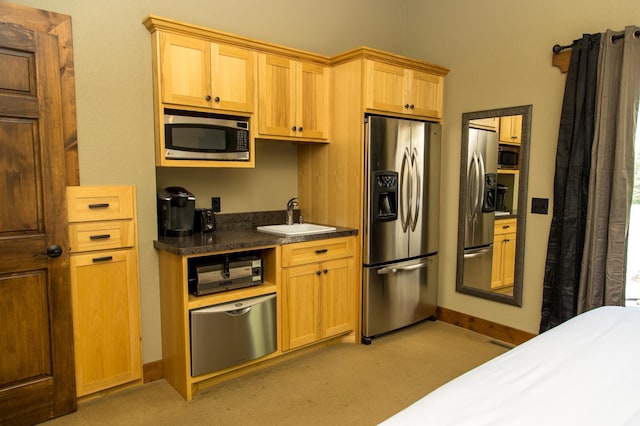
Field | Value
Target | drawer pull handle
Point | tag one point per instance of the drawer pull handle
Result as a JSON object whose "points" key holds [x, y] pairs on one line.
{"points": [[99, 206], [102, 259], [506, 226], [100, 237], [321, 251]]}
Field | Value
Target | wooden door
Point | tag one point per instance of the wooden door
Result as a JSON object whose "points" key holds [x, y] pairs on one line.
{"points": [[36, 335], [232, 78], [106, 322], [337, 296], [186, 70], [276, 95], [425, 94], [312, 105], [301, 319], [385, 87]]}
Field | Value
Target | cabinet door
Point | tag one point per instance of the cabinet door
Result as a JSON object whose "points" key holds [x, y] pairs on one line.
{"points": [[276, 95], [232, 78], [497, 264], [385, 87], [337, 296], [301, 315], [105, 320], [312, 104], [509, 259], [425, 92], [185, 70], [511, 129]]}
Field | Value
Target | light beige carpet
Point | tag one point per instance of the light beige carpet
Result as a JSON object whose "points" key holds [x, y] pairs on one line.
{"points": [[343, 384]]}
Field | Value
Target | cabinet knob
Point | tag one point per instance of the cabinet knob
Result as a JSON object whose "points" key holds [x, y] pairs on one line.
{"points": [[207, 98], [294, 128], [325, 271], [299, 129], [318, 272], [411, 106], [217, 99], [406, 105]]}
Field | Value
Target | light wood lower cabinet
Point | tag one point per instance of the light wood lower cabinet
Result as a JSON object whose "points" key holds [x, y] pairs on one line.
{"points": [[104, 287], [504, 253], [318, 289]]}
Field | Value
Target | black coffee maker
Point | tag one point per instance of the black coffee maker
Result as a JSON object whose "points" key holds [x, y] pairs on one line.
{"points": [[176, 207]]}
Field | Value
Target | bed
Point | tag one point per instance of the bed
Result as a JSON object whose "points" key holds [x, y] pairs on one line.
{"points": [[585, 371]]}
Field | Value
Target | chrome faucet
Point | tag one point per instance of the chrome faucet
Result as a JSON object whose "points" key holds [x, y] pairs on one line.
{"points": [[291, 204]]}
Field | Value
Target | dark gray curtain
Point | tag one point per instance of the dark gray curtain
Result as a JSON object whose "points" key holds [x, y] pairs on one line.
{"points": [[604, 262], [571, 185]]}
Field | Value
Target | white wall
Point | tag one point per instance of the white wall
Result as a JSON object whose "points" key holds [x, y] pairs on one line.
{"points": [[499, 53]]}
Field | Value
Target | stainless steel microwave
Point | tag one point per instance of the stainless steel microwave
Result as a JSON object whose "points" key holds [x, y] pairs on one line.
{"points": [[205, 137], [508, 156]]}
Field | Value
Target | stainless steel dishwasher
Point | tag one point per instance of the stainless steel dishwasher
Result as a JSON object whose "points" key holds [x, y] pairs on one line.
{"points": [[232, 333]]}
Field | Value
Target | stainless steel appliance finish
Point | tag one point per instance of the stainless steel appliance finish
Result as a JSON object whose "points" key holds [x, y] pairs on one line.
{"points": [[400, 238], [480, 206], [232, 333], [203, 137]]}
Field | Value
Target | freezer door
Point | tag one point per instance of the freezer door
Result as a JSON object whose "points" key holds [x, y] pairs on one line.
{"points": [[477, 267], [399, 294], [424, 188]]}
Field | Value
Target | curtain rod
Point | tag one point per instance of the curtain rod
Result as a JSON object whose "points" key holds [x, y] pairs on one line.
{"points": [[558, 48]]}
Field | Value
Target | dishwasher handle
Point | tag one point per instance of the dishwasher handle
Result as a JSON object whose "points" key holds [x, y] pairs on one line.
{"points": [[237, 307]]}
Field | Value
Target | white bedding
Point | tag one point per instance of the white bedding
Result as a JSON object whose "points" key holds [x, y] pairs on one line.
{"points": [[583, 372]]}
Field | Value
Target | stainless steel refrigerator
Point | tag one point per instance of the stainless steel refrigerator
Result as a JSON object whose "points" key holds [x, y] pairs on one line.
{"points": [[479, 207], [400, 237]]}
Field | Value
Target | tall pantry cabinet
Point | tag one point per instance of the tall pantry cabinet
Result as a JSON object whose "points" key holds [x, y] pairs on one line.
{"points": [[104, 287]]}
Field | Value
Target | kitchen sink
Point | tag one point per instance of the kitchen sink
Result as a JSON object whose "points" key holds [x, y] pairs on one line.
{"points": [[296, 229]]}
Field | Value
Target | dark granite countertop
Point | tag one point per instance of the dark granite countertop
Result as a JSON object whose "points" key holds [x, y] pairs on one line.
{"points": [[238, 231]]}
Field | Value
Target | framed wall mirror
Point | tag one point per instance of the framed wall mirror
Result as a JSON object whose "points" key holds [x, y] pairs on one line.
{"points": [[494, 171]]}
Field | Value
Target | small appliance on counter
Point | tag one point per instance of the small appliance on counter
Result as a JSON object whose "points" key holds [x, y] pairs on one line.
{"points": [[204, 220], [176, 210]]}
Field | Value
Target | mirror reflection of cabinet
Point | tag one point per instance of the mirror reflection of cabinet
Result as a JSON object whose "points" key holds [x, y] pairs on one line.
{"points": [[492, 268]]}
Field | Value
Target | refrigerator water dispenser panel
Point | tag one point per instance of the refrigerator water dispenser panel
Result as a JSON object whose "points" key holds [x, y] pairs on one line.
{"points": [[385, 192], [490, 186]]}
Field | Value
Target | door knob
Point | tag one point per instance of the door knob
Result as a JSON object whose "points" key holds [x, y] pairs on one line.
{"points": [[54, 250]]}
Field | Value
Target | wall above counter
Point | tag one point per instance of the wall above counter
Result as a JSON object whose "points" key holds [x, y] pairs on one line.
{"points": [[284, 93]]}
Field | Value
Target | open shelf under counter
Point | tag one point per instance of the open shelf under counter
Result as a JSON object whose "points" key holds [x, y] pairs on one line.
{"points": [[508, 171]]}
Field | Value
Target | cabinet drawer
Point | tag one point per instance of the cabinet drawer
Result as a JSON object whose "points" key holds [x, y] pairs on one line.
{"points": [[88, 203], [317, 251], [101, 235], [505, 226]]}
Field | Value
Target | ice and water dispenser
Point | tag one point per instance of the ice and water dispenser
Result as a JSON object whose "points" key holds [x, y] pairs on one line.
{"points": [[385, 195]]}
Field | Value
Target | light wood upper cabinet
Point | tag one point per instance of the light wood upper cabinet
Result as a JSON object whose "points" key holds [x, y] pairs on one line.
{"points": [[511, 129], [292, 98], [198, 73], [399, 90]]}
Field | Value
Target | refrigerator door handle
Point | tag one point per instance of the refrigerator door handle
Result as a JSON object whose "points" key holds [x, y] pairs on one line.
{"points": [[476, 253], [417, 180], [405, 199], [474, 187], [395, 269], [482, 182]]}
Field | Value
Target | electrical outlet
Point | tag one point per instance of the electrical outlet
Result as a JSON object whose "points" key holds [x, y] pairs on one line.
{"points": [[215, 204], [540, 205]]}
